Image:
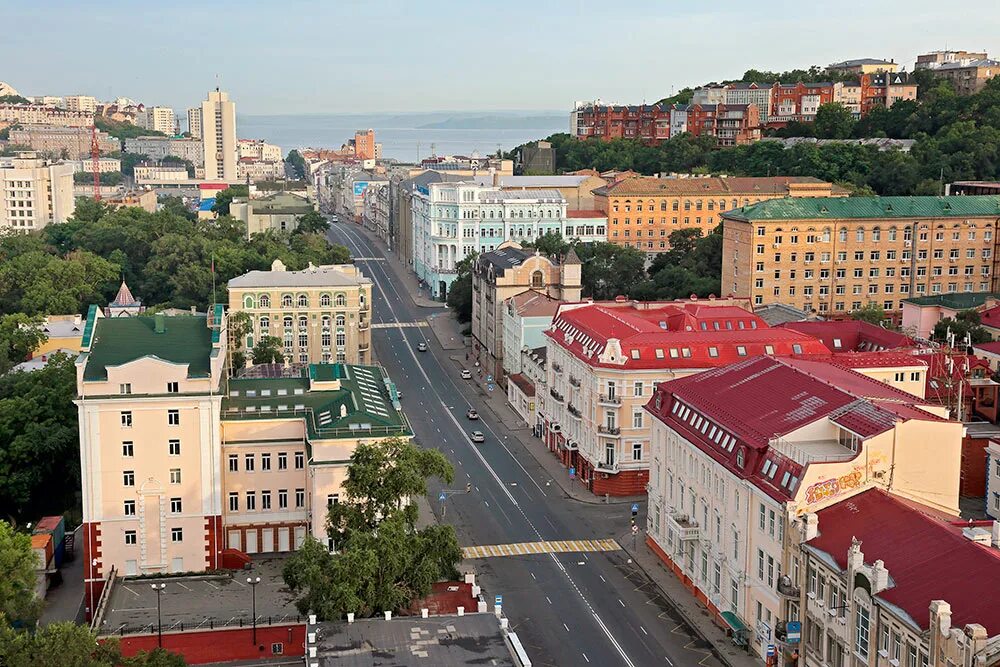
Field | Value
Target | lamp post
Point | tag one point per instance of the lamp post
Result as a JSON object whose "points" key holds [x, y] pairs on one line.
{"points": [[253, 596], [159, 620], [90, 588]]}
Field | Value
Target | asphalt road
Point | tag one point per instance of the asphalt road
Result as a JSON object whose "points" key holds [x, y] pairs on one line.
{"points": [[568, 609]]}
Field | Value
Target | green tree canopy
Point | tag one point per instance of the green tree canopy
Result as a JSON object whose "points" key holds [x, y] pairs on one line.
{"points": [[871, 312], [297, 162], [72, 645], [224, 198], [20, 335], [121, 129], [965, 326], [460, 294], [312, 223], [268, 350], [834, 121], [17, 587]]}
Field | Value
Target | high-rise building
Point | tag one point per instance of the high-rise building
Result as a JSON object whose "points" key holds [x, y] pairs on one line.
{"points": [[158, 119], [194, 122], [83, 103], [34, 193], [218, 133]]}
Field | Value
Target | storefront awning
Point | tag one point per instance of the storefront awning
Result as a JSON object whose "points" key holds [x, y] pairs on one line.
{"points": [[734, 622]]}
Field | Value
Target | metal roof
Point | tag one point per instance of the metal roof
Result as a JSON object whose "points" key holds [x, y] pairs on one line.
{"points": [[327, 275], [837, 208]]}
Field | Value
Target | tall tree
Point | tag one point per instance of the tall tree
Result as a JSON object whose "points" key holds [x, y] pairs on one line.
{"points": [[312, 223], [460, 294], [17, 586], [297, 163], [268, 350], [834, 121], [72, 645], [224, 198], [20, 335]]}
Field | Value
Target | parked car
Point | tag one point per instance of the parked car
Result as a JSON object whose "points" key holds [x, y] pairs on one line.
{"points": [[466, 374], [477, 436], [421, 346], [472, 414]]}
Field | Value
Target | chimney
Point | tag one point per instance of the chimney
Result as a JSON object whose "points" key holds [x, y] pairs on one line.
{"points": [[77, 320], [193, 311], [496, 177], [810, 526], [855, 557], [881, 576], [159, 323]]}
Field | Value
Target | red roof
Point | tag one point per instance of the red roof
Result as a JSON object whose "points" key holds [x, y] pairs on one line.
{"points": [[586, 214], [671, 334], [990, 317], [992, 347], [213, 186], [523, 383], [851, 335], [875, 359], [927, 558]]}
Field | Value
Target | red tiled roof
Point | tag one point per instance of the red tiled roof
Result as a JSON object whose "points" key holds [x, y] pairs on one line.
{"points": [[523, 383], [672, 334], [586, 214], [990, 317], [853, 335], [875, 359], [927, 559], [992, 347]]}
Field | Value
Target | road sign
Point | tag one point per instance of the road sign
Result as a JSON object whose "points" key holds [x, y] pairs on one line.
{"points": [[635, 530], [770, 650], [794, 629], [499, 600], [635, 508], [572, 473], [442, 497]]}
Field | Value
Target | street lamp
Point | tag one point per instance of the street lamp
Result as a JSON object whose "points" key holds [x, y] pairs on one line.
{"points": [[253, 594], [159, 619], [90, 580]]}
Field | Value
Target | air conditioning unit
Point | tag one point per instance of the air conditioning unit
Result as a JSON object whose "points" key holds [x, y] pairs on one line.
{"points": [[907, 244]]}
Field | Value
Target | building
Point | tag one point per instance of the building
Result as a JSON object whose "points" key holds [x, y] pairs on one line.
{"points": [[526, 317], [158, 119], [603, 361], [538, 158], [194, 122], [576, 189], [798, 102], [835, 255], [730, 124], [105, 165], [401, 193], [63, 332], [586, 226], [470, 166], [144, 199], [249, 169], [642, 212], [742, 93], [993, 480], [506, 272], [936, 59], [969, 77], [740, 450], [81, 103], [148, 172], [218, 135], [34, 193], [34, 114], [920, 314], [258, 149], [861, 66], [375, 210], [454, 220], [526, 390], [972, 188], [322, 314], [157, 148], [71, 143], [365, 146], [279, 212], [884, 89], [877, 580]]}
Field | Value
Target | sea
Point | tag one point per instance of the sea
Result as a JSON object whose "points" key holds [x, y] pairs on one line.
{"points": [[407, 137]]}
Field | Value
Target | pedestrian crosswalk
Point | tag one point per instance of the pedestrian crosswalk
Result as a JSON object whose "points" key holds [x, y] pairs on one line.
{"points": [[399, 325], [529, 548]]}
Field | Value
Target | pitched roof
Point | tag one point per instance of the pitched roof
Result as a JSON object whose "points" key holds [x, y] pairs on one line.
{"points": [[523, 383], [187, 339], [327, 275], [990, 317], [714, 185], [586, 214], [927, 558], [850, 335], [124, 297], [535, 304], [993, 347], [862, 61], [826, 208], [779, 313]]}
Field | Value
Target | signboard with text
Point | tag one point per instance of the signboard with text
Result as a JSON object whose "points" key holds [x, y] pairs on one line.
{"points": [[359, 188]]}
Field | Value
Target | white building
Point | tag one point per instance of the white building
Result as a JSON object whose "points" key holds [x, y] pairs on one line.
{"points": [[81, 103], [258, 170], [158, 119], [218, 133], [147, 173], [194, 122], [105, 165], [993, 480], [258, 149], [34, 193], [157, 148]]}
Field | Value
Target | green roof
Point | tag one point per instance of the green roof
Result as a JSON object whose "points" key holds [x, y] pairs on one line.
{"points": [[186, 340], [834, 208], [954, 300], [361, 407]]}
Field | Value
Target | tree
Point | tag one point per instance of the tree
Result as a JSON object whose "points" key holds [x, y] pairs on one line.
{"points": [[312, 223], [610, 270], [17, 587], [297, 162], [382, 563], [550, 244], [834, 121], [268, 350], [129, 160], [75, 645], [965, 326], [107, 178], [460, 294], [14, 99], [240, 324], [121, 129], [20, 335], [179, 161], [224, 198], [871, 312]]}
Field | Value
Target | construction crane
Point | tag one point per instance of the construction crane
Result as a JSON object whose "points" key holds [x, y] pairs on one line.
{"points": [[95, 161]]}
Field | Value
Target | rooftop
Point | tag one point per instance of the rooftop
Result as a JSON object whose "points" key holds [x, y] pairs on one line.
{"points": [[850, 335], [186, 339], [535, 304], [586, 214], [564, 181], [954, 300], [927, 558], [442, 641], [715, 185], [878, 208], [779, 313], [327, 275], [278, 203], [63, 326], [506, 195], [987, 62], [857, 62]]}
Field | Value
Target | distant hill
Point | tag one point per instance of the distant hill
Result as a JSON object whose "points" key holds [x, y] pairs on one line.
{"points": [[495, 123]]}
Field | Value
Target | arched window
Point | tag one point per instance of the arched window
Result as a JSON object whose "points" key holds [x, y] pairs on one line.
{"points": [[340, 300], [537, 279], [286, 321], [286, 300], [265, 323], [324, 301], [265, 301], [340, 319], [303, 301], [248, 301], [326, 321], [303, 322]]}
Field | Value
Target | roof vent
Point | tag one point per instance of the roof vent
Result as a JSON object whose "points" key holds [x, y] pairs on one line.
{"points": [[159, 323], [978, 535]]}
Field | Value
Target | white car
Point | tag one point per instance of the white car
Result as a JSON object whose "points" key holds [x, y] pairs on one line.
{"points": [[477, 436], [466, 374], [421, 346], [472, 414]]}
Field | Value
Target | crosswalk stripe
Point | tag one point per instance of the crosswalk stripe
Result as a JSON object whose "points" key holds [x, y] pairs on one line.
{"points": [[544, 547]]}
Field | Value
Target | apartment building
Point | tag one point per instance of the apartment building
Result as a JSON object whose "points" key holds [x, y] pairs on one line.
{"points": [[218, 135], [150, 172], [158, 148], [642, 212], [860, 66], [936, 59], [586, 226], [36, 114], [992, 496], [71, 143], [249, 169], [34, 193], [159, 119], [506, 272], [604, 361], [258, 149], [81, 103], [885, 89], [744, 93], [526, 317], [576, 189], [105, 165], [739, 451], [731, 124], [880, 581], [835, 255], [969, 77], [365, 146], [194, 122], [454, 220], [322, 314]]}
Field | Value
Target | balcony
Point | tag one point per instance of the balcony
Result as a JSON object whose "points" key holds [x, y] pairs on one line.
{"points": [[607, 468], [786, 588], [613, 401], [574, 381], [573, 410], [364, 325], [687, 529], [556, 395], [605, 429], [363, 346], [557, 369]]}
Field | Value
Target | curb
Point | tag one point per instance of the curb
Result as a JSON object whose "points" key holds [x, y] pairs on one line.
{"points": [[390, 259]]}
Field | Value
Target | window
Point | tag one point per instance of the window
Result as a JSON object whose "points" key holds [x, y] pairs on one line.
{"points": [[234, 463], [128, 478], [234, 501], [762, 516], [637, 420], [636, 451], [174, 447], [300, 498], [125, 388], [282, 499], [128, 449], [637, 389], [175, 475], [126, 419], [265, 500], [300, 460], [883, 640], [173, 388], [130, 537], [248, 462], [251, 501], [173, 417], [897, 647], [175, 505], [282, 460], [265, 461], [176, 534], [129, 508], [862, 628]]}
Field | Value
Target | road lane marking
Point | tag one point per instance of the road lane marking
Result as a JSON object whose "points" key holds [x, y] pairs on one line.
{"points": [[543, 547], [621, 603], [643, 630], [566, 626], [585, 657]]}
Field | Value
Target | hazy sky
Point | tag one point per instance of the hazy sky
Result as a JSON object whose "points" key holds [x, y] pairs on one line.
{"points": [[382, 55]]}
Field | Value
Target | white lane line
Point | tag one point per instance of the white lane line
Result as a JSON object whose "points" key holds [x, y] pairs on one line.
{"points": [[602, 578], [182, 586], [533, 576], [668, 661], [585, 657], [566, 626], [621, 603], [547, 599], [643, 630]]}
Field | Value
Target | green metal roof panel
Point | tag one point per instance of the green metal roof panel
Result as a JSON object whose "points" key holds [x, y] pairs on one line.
{"points": [[833, 208], [186, 340], [954, 300], [88, 329]]}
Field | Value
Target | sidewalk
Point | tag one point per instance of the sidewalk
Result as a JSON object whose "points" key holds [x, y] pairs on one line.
{"points": [[404, 277]]}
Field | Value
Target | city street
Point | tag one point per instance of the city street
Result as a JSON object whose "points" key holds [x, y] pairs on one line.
{"points": [[568, 608]]}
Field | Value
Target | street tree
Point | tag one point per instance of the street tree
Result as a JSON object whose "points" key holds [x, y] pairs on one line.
{"points": [[73, 645], [460, 294], [297, 162], [17, 587], [312, 223]]}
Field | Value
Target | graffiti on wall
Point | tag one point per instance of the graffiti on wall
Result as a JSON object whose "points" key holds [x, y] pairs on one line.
{"points": [[858, 476]]}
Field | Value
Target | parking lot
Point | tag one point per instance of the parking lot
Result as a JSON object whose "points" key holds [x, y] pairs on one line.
{"points": [[200, 601]]}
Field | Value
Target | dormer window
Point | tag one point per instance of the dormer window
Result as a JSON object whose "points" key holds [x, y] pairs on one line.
{"points": [[740, 458]]}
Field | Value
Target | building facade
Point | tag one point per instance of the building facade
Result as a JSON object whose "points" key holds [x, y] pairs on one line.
{"points": [[936, 59], [194, 122], [279, 212], [145, 173], [642, 212], [158, 148], [159, 119], [36, 114], [34, 193], [80, 103], [835, 255], [526, 317], [993, 480], [218, 135], [860, 66], [258, 149], [969, 77], [322, 314], [71, 143]]}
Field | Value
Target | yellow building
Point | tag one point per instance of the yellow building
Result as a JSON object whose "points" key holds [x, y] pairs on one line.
{"points": [[643, 212], [322, 314], [833, 256], [860, 66], [64, 332]]}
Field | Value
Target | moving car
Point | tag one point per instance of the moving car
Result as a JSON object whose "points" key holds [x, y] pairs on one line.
{"points": [[421, 346], [477, 436], [466, 375], [472, 414]]}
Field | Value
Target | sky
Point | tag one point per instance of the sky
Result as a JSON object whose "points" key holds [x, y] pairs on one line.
{"points": [[364, 56]]}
